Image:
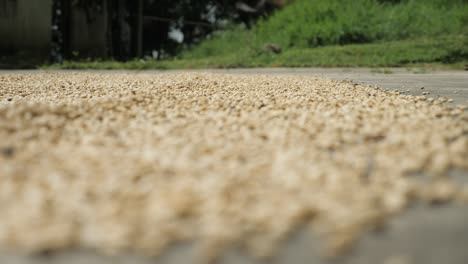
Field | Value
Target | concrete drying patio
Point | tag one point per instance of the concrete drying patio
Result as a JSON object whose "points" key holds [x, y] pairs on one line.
{"points": [[177, 119]]}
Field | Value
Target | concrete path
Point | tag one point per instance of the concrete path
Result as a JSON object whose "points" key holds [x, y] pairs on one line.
{"points": [[451, 84], [422, 235]]}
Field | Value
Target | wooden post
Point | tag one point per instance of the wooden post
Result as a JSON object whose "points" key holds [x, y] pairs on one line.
{"points": [[139, 29]]}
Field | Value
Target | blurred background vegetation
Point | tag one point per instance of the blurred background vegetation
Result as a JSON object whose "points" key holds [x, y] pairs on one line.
{"points": [[347, 33], [310, 24], [259, 33]]}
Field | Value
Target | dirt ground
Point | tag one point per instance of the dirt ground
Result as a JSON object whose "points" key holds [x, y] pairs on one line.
{"points": [[421, 234]]}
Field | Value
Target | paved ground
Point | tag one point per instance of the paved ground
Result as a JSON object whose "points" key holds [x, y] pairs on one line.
{"points": [[451, 84], [421, 235]]}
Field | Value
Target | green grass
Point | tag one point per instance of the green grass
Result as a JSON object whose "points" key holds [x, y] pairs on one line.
{"points": [[331, 33], [315, 23], [450, 51]]}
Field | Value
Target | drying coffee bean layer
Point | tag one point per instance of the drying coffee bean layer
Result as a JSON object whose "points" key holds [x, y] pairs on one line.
{"points": [[135, 162]]}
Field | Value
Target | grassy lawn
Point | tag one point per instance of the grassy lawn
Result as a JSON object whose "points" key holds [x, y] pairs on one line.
{"points": [[331, 33], [442, 52]]}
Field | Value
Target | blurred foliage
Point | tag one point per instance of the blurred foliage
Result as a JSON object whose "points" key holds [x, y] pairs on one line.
{"points": [[195, 19], [371, 33], [173, 15], [315, 23], [434, 52]]}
